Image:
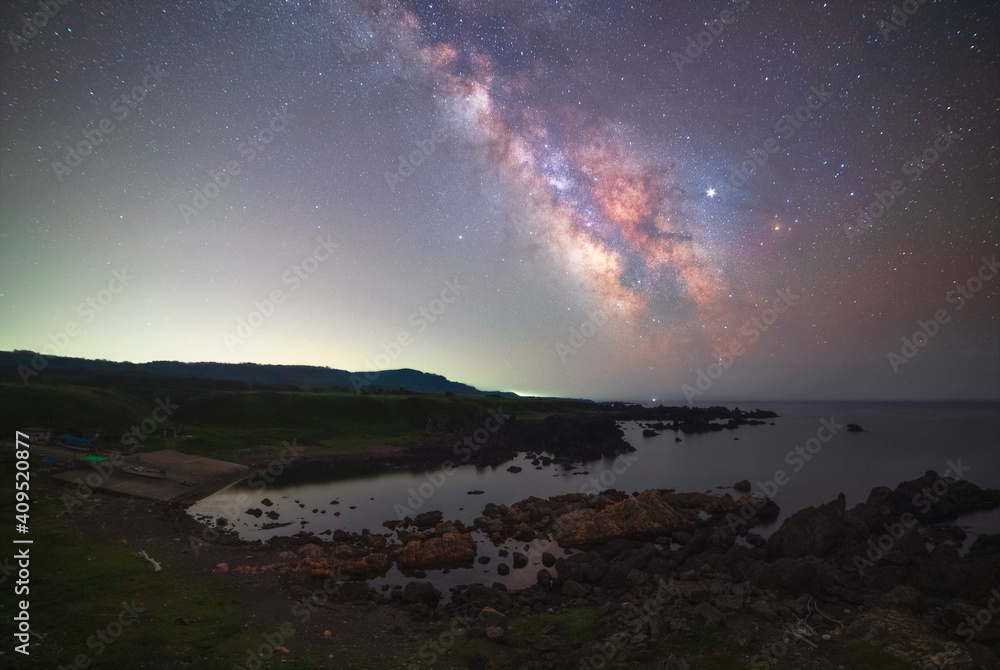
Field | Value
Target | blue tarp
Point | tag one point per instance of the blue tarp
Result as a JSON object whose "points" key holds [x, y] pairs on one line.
{"points": [[76, 440]]}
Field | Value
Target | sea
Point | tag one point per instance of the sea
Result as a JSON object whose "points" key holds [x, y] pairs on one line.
{"points": [[804, 457]]}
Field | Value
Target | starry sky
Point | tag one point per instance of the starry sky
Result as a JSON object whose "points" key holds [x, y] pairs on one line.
{"points": [[679, 201]]}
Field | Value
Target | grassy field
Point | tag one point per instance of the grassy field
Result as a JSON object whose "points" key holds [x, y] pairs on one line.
{"points": [[83, 589], [225, 423]]}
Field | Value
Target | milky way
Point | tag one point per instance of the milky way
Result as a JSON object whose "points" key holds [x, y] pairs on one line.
{"points": [[657, 174]]}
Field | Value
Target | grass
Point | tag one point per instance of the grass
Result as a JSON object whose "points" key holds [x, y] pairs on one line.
{"points": [[575, 626], [572, 628], [79, 587], [237, 423]]}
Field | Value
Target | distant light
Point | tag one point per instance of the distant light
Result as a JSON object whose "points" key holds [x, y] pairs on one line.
{"points": [[710, 193]]}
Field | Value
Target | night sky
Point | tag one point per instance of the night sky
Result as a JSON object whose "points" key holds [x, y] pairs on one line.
{"points": [[585, 199]]}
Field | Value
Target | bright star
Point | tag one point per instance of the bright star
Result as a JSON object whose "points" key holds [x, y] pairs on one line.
{"points": [[710, 193]]}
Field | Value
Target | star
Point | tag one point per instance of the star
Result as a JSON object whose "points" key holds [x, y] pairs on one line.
{"points": [[710, 193]]}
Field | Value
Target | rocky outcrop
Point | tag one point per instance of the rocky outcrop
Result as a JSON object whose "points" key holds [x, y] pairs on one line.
{"points": [[650, 513], [448, 550]]}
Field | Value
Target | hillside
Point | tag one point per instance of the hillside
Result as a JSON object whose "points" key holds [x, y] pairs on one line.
{"points": [[301, 376]]}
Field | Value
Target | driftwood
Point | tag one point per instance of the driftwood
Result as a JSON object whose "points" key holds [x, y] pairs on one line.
{"points": [[156, 566]]}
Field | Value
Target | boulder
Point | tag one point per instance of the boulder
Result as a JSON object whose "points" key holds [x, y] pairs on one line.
{"points": [[652, 512], [311, 551], [449, 550], [713, 617], [421, 592]]}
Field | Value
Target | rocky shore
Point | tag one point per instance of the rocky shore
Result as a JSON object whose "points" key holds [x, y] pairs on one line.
{"points": [[887, 580]]}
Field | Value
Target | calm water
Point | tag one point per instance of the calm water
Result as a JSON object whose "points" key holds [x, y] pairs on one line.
{"points": [[903, 441]]}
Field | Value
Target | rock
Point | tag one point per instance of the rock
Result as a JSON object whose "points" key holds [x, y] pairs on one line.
{"points": [[256, 512], [494, 633], [428, 519], [572, 589], [524, 533], [544, 577], [904, 596], [713, 617], [854, 428], [484, 560], [812, 531], [765, 607], [421, 592], [742, 485], [272, 515], [266, 502], [677, 439], [449, 550], [311, 551], [503, 569], [515, 469], [491, 617], [221, 521], [548, 560], [477, 492], [369, 566], [520, 560], [222, 567], [649, 433], [288, 556], [651, 512]]}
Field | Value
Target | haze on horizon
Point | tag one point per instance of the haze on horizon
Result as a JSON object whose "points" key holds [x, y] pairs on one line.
{"points": [[549, 198]]}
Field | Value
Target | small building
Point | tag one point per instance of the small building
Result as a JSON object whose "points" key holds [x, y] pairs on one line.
{"points": [[36, 434]]}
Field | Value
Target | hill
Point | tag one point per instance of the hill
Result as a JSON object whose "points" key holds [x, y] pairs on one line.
{"points": [[16, 365]]}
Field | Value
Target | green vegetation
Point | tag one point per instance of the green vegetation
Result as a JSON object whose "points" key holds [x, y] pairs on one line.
{"points": [[571, 628], [863, 655], [234, 422]]}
